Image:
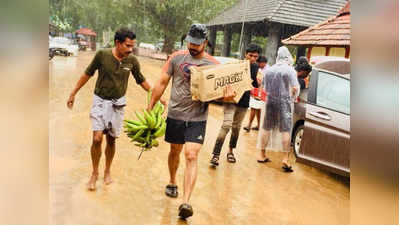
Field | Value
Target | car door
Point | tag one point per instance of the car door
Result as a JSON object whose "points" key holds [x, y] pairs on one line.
{"points": [[326, 138]]}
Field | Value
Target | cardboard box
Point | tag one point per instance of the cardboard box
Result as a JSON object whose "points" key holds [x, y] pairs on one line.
{"points": [[208, 82]]}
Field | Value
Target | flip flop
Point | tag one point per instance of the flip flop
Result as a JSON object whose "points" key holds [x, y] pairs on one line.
{"points": [[264, 161], [231, 158], [215, 161], [247, 129], [287, 169], [185, 211], [255, 128]]}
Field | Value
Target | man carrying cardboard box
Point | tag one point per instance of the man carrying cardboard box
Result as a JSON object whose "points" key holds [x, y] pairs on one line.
{"points": [[186, 120], [234, 113]]}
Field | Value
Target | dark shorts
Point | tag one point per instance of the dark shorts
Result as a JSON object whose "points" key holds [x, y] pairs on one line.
{"points": [[278, 115], [180, 132]]}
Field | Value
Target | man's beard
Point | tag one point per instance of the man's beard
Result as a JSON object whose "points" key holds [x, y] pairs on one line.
{"points": [[195, 52]]}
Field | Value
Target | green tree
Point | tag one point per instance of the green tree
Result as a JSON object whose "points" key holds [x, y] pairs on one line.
{"points": [[151, 20], [98, 15], [170, 19]]}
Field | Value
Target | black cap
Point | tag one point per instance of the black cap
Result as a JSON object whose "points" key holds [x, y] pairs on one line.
{"points": [[197, 34]]}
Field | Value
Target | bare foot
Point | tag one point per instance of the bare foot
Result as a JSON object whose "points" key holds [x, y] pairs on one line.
{"points": [[107, 178], [91, 185]]}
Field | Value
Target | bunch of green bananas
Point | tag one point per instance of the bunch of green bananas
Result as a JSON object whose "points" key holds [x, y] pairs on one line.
{"points": [[148, 127]]}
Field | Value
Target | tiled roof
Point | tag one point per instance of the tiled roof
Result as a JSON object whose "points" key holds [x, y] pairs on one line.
{"points": [[334, 31], [295, 12], [86, 31]]}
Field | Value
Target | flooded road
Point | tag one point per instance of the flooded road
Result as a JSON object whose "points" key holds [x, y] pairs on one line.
{"points": [[233, 194]]}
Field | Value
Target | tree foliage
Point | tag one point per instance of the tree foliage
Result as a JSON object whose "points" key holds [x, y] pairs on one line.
{"points": [[152, 20], [170, 19]]}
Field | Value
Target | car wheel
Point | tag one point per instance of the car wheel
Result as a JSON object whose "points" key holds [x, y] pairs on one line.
{"points": [[298, 139]]}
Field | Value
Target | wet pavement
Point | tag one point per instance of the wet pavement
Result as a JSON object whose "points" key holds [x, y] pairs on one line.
{"points": [[232, 194]]}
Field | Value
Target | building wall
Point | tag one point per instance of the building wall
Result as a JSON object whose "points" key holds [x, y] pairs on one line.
{"points": [[337, 52], [322, 51], [318, 51]]}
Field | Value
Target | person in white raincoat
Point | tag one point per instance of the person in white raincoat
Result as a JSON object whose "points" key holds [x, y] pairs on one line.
{"points": [[281, 85]]}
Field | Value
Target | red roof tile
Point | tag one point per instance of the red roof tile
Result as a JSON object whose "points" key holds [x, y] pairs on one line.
{"points": [[86, 31], [345, 9]]}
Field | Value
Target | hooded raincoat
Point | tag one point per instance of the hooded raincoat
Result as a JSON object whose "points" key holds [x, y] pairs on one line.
{"points": [[276, 115]]}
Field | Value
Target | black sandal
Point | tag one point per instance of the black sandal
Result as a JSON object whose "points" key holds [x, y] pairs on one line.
{"points": [[264, 161], [171, 190], [247, 129], [231, 158], [185, 211], [255, 128], [287, 169], [215, 161]]}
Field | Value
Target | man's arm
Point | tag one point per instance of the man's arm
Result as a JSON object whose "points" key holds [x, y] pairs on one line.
{"points": [[294, 84], [145, 85], [89, 72], [158, 89], [81, 82]]}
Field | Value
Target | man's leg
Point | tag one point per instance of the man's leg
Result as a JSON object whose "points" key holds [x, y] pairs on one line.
{"points": [[239, 116], [220, 139], [175, 136], [286, 147], [173, 161], [257, 113], [228, 110], [190, 174], [95, 158], [251, 118], [265, 135], [109, 155]]}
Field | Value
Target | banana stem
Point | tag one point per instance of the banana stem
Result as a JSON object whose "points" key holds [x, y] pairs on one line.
{"points": [[142, 150]]}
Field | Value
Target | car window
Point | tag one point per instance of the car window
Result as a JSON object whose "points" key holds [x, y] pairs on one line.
{"points": [[333, 92]]}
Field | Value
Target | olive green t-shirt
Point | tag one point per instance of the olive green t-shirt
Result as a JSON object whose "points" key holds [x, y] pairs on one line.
{"points": [[113, 75]]}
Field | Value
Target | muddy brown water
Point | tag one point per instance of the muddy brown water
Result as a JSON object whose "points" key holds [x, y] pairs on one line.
{"points": [[233, 194]]}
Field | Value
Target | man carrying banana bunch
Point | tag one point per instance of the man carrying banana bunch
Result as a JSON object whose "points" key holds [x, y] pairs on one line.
{"points": [[114, 67], [149, 126], [186, 120]]}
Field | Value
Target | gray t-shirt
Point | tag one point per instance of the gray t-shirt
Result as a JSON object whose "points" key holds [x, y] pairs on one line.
{"points": [[181, 105]]}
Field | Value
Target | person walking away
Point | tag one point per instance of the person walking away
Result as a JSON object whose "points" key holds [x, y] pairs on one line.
{"points": [[282, 87], [234, 114], [114, 67], [255, 101], [186, 120]]}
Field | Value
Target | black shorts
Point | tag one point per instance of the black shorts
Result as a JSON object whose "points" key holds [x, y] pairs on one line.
{"points": [[180, 132]]}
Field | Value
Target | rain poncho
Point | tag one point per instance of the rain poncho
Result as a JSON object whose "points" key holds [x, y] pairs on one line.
{"points": [[276, 115]]}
